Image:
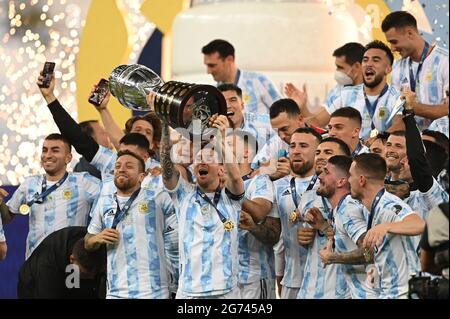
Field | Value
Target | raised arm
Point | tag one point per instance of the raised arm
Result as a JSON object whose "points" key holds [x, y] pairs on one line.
{"points": [[5, 213], [170, 173], [83, 143]]}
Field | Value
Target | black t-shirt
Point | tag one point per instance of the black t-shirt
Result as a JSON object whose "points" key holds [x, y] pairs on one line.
{"points": [[44, 275]]}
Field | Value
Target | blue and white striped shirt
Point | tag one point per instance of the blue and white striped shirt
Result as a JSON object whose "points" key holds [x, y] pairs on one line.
{"points": [[258, 125], [396, 259], [136, 265], [354, 96], [2, 233], [68, 205], [294, 253], [350, 223], [319, 282], [432, 81], [208, 253], [256, 259], [422, 203]]}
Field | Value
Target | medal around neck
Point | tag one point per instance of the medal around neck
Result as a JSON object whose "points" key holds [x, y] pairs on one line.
{"points": [[294, 216], [228, 225], [398, 106], [24, 209], [177, 103]]}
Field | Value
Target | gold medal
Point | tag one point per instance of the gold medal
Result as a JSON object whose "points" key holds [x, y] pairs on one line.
{"points": [[143, 208], [24, 209], [67, 194], [228, 225], [366, 255], [382, 112], [293, 217]]}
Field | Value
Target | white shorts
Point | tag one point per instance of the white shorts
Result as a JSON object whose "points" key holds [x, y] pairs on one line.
{"points": [[262, 289], [288, 292], [233, 294]]}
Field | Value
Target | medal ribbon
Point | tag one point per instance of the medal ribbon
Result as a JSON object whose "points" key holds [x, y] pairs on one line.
{"points": [[414, 79], [371, 107], [213, 204], [45, 192], [120, 213]]}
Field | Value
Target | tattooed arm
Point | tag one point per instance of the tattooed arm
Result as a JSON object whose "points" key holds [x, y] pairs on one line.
{"points": [[268, 232], [170, 174], [354, 257]]}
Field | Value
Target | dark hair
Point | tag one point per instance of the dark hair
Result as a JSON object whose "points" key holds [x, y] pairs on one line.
{"points": [[224, 48], [248, 138], [349, 113], [150, 117], [342, 145], [284, 105], [377, 44], [371, 164], [135, 139], [398, 20], [352, 51], [383, 136], [86, 127], [140, 160], [230, 87], [59, 137], [441, 139], [343, 163], [398, 133], [92, 261], [308, 130], [436, 157]]}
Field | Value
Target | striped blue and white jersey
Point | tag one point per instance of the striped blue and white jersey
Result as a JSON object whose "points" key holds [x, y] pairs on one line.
{"points": [[319, 282], [422, 203], [68, 205], [208, 253], [258, 92], [2, 233], [270, 151], [396, 259], [354, 96], [440, 125], [256, 260], [350, 220], [258, 125], [136, 265], [431, 83], [294, 253]]}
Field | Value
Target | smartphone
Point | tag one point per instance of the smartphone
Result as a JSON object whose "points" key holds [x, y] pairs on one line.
{"points": [[47, 71], [100, 92], [282, 153]]}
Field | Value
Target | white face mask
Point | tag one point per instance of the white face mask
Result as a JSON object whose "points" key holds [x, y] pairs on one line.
{"points": [[342, 78]]}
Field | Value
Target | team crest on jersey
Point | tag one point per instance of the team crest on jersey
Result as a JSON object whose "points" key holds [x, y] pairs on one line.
{"points": [[143, 208], [246, 98], [382, 112], [398, 209], [429, 76], [67, 194]]}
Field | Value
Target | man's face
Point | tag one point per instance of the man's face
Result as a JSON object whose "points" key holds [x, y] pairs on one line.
{"points": [[100, 135], [344, 129], [401, 41], [145, 128], [55, 156], [127, 174], [207, 169], [375, 67], [235, 106], [395, 152], [328, 179], [301, 152], [216, 66], [377, 147], [344, 67], [354, 180], [324, 152], [286, 125]]}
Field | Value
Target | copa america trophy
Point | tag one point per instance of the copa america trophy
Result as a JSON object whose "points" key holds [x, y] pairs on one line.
{"points": [[177, 103]]}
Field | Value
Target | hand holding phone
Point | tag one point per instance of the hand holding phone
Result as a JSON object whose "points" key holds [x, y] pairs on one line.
{"points": [[47, 72], [100, 92]]}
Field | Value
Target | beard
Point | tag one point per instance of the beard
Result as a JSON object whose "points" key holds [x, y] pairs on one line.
{"points": [[325, 191], [377, 80], [124, 184], [304, 168], [356, 194]]}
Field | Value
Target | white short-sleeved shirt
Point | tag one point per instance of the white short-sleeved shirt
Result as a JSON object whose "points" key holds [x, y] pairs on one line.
{"points": [[440, 125], [2, 233], [256, 259], [396, 259], [319, 282], [258, 92], [270, 151], [354, 96], [258, 125], [422, 203], [136, 265], [68, 205], [208, 253], [432, 81], [350, 219], [294, 254]]}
